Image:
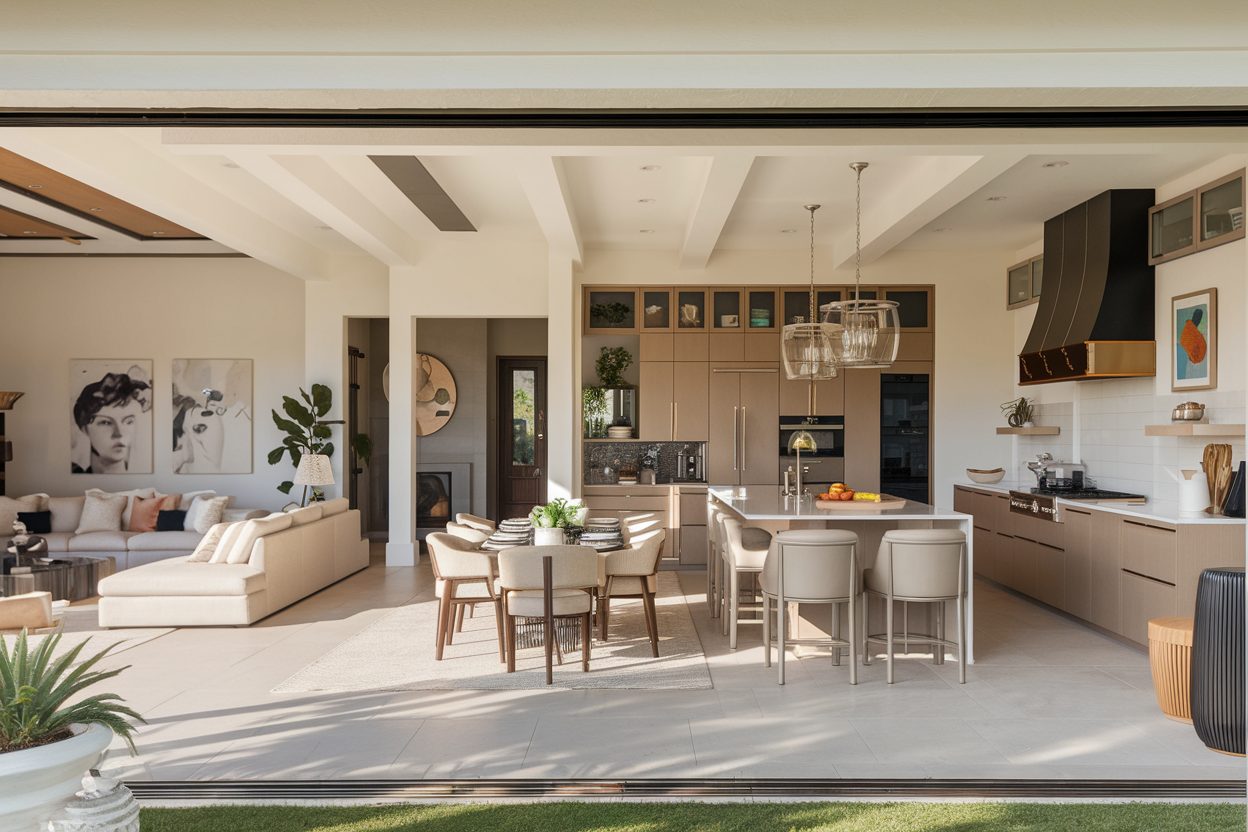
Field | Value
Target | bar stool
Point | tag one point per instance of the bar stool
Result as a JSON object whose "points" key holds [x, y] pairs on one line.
{"points": [[922, 565], [715, 559], [739, 559], [815, 566]]}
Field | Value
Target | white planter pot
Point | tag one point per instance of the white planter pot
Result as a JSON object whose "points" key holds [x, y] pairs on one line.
{"points": [[548, 537], [35, 783]]}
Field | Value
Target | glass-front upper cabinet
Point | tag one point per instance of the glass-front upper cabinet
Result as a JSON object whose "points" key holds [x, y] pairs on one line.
{"points": [[1172, 228], [1019, 283], [796, 304], [1222, 211], [610, 310], [761, 306], [914, 306], [690, 309], [726, 306], [656, 310], [1037, 277]]}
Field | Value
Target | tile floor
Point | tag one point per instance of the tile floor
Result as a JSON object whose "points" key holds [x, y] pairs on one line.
{"points": [[1048, 698]]}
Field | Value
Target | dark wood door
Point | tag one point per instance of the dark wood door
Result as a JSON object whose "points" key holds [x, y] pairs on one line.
{"points": [[521, 473]]}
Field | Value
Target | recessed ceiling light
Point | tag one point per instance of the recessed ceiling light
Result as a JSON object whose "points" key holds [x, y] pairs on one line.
{"points": [[30, 232], [651, 168], [788, 230], [1060, 163], [229, 164], [996, 199], [35, 187], [158, 233], [95, 210], [941, 230], [646, 231], [645, 200]]}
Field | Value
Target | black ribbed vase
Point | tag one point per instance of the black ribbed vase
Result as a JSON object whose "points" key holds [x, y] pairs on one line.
{"points": [[1218, 660]]}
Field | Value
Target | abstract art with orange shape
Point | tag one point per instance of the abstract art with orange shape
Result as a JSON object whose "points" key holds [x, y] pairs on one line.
{"points": [[1191, 339]]}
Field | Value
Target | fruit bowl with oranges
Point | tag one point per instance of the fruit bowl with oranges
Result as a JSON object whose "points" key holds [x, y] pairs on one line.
{"points": [[839, 492]]}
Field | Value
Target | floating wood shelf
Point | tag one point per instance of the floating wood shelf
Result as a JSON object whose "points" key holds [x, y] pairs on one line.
{"points": [[1035, 430], [1193, 429], [604, 439]]}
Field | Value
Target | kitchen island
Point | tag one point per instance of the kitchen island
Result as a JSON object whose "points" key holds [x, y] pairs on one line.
{"points": [[765, 507]]}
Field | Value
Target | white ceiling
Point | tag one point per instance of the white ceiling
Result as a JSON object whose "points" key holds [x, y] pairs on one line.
{"points": [[296, 198]]}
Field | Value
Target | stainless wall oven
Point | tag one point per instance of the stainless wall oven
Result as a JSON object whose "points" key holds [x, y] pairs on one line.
{"points": [[827, 464]]}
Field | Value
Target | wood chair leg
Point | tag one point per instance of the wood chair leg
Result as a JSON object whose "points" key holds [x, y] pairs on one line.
{"points": [[498, 625], [459, 618], [510, 621], [647, 603], [472, 610], [448, 592], [548, 619], [585, 642], [604, 617], [440, 639]]}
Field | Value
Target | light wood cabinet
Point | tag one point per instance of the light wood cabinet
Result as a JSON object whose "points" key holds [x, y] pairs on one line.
{"points": [[1077, 598], [656, 418], [727, 346], [829, 397], [656, 347], [1105, 572], [690, 346], [673, 401], [642, 508], [743, 425], [692, 545], [1144, 598], [862, 429], [1049, 576], [1149, 550]]}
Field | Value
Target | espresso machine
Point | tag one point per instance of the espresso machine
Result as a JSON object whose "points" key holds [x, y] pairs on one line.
{"points": [[690, 464]]}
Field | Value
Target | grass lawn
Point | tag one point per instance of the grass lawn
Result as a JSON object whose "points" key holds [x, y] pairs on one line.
{"points": [[682, 817]]}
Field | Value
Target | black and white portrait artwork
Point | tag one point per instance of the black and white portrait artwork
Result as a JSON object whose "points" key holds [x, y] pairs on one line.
{"points": [[212, 415], [111, 403]]}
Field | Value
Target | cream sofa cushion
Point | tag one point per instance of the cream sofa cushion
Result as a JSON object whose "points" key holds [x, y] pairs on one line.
{"points": [[177, 576], [331, 507], [166, 541], [145, 493], [189, 497], [110, 541], [208, 546], [308, 514], [32, 610], [102, 512], [66, 512], [251, 531], [10, 506], [204, 513]]}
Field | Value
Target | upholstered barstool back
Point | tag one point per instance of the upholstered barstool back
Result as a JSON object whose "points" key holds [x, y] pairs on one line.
{"points": [[740, 552], [819, 564], [919, 564]]}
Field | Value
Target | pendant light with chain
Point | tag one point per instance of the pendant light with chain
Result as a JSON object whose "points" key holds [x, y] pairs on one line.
{"points": [[866, 333], [808, 347]]}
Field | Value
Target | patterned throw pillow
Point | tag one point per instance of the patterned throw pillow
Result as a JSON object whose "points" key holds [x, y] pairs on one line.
{"points": [[208, 546], [102, 513], [205, 513]]}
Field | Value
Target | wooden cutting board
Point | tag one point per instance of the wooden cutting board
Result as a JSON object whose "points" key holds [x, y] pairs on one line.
{"points": [[887, 501]]}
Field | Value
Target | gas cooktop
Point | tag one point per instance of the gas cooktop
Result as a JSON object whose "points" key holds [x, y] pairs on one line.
{"points": [[1088, 494]]}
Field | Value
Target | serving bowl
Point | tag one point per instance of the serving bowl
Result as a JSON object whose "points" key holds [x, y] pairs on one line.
{"points": [[986, 476], [1188, 412]]}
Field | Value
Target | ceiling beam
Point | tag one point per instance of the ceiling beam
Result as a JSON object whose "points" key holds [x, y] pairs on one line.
{"points": [[545, 184], [935, 185], [316, 187], [123, 166], [725, 177]]}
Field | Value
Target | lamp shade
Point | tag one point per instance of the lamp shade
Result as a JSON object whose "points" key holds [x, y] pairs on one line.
{"points": [[8, 399], [314, 469]]}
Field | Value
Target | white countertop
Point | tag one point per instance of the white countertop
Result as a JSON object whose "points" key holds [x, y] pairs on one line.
{"points": [[1161, 511], [764, 502]]}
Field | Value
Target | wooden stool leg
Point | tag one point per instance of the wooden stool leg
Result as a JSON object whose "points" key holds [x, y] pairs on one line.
{"points": [[585, 642], [604, 615], [647, 603]]}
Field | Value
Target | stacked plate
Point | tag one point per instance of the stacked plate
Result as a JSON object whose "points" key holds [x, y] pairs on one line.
{"points": [[603, 534], [619, 432], [510, 533]]}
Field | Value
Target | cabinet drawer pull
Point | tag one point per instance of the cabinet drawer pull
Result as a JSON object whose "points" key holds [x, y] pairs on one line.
{"points": [[1148, 578]]}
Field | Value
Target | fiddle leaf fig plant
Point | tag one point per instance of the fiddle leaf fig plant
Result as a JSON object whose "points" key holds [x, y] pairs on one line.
{"points": [[36, 692], [305, 431]]}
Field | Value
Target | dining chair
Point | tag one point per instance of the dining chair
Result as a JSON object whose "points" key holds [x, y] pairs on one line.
{"points": [[632, 572], [568, 592], [923, 565], [472, 521], [811, 566], [458, 565], [473, 535]]}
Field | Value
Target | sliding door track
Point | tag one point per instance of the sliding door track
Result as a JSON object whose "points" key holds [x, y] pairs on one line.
{"points": [[693, 788]]}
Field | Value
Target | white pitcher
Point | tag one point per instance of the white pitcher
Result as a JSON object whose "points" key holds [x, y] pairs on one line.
{"points": [[1193, 491]]}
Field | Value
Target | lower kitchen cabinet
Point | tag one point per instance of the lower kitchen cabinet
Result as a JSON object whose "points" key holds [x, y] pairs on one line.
{"points": [[1077, 579], [1144, 598], [692, 545]]}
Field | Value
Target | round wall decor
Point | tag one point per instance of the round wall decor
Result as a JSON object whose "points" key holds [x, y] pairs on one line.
{"points": [[435, 395]]}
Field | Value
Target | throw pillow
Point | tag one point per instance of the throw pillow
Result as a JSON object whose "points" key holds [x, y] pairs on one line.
{"points": [[252, 530], [208, 546], [102, 513], [189, 497], [37, 522], [146, 493], [205, 513], [10, 506], [143, 511], [66, 512], [171, 521]]}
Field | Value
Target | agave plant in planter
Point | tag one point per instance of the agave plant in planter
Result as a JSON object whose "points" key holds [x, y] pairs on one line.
{"points": [[47, 741]]}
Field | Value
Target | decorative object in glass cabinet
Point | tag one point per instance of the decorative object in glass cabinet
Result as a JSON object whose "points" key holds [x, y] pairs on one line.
{"points": [[1222, 211], [1171, 230]]}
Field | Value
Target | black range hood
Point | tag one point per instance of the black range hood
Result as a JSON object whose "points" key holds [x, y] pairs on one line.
{"points": [[1095, 315]]}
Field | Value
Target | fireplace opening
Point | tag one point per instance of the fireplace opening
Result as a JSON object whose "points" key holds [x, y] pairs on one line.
{"points": [[433, 499]]}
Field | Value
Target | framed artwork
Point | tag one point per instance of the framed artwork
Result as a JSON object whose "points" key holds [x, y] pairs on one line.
{"points": [[212, 415], [110, 404], [435, 395], [1194, 338]]}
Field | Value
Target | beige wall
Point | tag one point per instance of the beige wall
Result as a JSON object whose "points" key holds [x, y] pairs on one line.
{"points": [[56, 309]]}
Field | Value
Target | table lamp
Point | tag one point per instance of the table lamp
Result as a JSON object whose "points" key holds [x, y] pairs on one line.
{"points": [[314, 470]]}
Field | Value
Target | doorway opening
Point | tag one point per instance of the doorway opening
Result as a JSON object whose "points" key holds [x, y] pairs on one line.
{"points": [[367, 406]]}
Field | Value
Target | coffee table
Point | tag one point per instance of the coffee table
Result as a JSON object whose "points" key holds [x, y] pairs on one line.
{"points": [[67, 578]]}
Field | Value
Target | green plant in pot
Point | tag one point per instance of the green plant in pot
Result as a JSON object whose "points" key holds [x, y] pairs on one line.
{"points": [[594, 411], [551, 521], [52, 730], [1018, 412], [611, 364]]}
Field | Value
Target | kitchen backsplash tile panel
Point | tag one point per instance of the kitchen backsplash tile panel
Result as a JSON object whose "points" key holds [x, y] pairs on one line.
{"points": [[600, 457]]}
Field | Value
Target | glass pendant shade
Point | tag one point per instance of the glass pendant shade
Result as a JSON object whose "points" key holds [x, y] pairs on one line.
{"points": [[809, 352], [864, 333], [802, 440]]}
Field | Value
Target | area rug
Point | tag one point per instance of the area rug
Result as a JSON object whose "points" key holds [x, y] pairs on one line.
{"points": [[396, 653]]}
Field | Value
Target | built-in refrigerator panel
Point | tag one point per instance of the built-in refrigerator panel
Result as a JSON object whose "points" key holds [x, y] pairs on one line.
{"points": [[905, 433]]}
